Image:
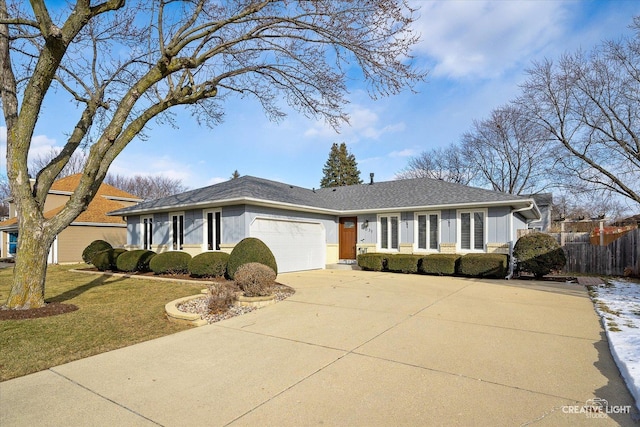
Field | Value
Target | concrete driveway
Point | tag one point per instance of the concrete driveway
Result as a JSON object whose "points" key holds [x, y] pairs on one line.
{"points": [[351, 348]]}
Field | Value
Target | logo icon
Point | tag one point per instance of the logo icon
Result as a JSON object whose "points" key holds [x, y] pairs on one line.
{"points": [[596, 405]]}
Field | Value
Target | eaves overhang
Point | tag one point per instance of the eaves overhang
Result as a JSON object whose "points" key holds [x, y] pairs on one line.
{"points": [[533, 213]]}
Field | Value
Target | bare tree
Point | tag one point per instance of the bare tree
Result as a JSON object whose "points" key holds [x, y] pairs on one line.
{"points": [[508, 152], [594, 206], [125, 63], [5, 194], [147, 187], [446, 164], [590, 105], [74, 165]]}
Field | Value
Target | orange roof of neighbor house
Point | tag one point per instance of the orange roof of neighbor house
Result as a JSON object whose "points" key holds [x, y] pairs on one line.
{"points": [[96, 212], [69, 183]]}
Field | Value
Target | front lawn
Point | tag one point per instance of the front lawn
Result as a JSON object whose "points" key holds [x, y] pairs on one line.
{"points": [[114, 312]]}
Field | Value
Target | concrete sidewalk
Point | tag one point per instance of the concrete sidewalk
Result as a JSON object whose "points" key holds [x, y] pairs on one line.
{"points": [[351, 348]]}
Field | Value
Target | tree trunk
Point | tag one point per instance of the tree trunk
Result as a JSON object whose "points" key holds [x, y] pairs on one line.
{"points": [[30, 270]]}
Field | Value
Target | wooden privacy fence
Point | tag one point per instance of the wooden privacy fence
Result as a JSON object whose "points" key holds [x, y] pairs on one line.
{"points": [[611, 260]]}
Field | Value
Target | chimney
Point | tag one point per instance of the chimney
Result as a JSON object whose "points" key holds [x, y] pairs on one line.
{"points": [[371, 176]]}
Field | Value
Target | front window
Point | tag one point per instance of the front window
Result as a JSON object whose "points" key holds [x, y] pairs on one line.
{"points": [[13, 243], [177, 231], [212, 232], [389, 231], [428, 231], [147, 232], [472, 230]]}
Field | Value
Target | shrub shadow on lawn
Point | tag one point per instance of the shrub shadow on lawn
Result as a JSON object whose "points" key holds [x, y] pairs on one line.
{"points": [[75, 292]]}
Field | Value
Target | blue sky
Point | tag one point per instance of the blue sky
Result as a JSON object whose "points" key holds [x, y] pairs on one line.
{"points": [[475, 51]]}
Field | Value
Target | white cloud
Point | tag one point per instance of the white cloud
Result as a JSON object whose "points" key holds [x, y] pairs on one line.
{"points": [[364, 123], [216, 180], [407, 152], [163, 166], [486, 38], [41, 145]]}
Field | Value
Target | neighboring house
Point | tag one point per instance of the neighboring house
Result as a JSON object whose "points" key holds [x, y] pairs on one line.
{"points": [[92, 224], [308, 229], [544, 201]]}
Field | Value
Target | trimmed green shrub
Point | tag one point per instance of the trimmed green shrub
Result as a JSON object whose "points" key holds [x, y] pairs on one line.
{"points": [[93, 248], [439, 264], [539, 253], [372, 261], [255, 279], [250, 250], [174, 262], [106, 260], [484, 265], [403, 263], [209, 264], [136, 260]]}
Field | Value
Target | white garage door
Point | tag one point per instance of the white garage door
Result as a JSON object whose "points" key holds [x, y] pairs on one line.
{"points": [[296, 245]]}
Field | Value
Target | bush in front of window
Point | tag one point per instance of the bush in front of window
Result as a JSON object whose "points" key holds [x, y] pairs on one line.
{"points": [[539, 254], [93, 248], [255, 279], [403, 263], [439, 264], [372, 261], [483, 265], [249, 250], [209, 264], [174, 262], [106, 260], [136, 260]]}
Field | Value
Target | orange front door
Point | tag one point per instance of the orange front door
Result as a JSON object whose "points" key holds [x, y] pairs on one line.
{"points": [[348, 237]]}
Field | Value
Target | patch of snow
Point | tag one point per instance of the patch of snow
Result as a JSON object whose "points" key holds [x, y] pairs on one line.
{"points": [[618, 303]]}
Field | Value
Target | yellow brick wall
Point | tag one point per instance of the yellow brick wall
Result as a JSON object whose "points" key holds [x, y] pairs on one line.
{"points": [[447, 248]]}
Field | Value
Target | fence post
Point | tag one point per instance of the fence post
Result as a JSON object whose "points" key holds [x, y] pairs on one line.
{"points": [[601, 233]]}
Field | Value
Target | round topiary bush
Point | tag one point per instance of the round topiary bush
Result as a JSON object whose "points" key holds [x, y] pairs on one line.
{"points": [[136, 260], [539, 254], [93, 248], [106, 260], [250, 250], [174, 262], [255, 279], [209, 264]]}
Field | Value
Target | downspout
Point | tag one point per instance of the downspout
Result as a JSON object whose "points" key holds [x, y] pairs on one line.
{"points": [[511, 260]]}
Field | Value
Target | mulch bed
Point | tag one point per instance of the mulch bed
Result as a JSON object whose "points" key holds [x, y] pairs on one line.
{"points": [[51, 309]]}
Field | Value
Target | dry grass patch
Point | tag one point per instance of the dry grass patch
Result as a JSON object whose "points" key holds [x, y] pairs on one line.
{"points": [[113, 312]]}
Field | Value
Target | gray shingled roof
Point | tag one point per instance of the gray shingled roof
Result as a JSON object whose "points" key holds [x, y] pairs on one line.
{"points": [[400, 194]]}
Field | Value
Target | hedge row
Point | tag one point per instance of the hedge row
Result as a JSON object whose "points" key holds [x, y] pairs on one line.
{"points": [[207, 264], [476, 265]]}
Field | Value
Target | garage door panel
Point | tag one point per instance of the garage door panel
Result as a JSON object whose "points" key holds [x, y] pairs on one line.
{"points": [[295, 245]]}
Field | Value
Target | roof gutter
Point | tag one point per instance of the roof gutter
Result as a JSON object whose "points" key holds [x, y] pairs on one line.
{"points": [[319, 210]]}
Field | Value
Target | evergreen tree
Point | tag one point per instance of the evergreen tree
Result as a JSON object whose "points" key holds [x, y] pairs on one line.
{"points": [[341, 168]]}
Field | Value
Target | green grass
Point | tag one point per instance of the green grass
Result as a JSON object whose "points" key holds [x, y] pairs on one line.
{"points": [[114, 312]]}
